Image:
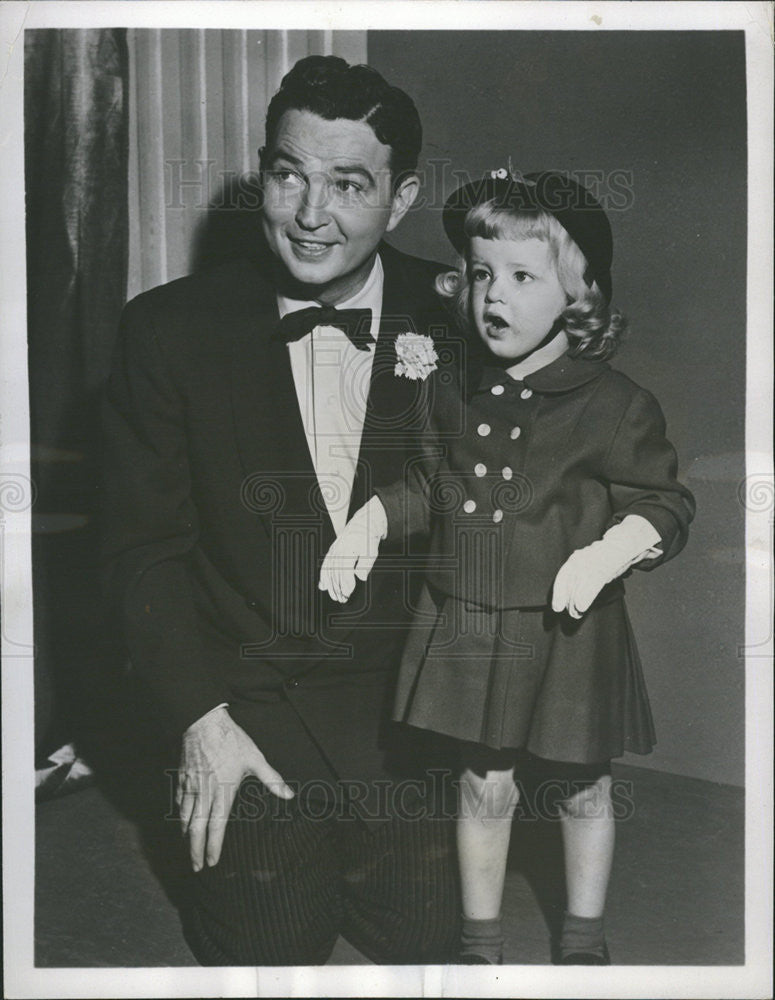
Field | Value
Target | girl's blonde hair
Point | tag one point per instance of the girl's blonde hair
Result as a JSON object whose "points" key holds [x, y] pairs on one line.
{"points": [[592, 327]]}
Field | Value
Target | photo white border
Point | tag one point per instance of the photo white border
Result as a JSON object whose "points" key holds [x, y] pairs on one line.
{"points": [[21, 978]]}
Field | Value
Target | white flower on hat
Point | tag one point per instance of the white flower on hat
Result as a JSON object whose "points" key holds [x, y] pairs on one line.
{"points": [[502, 173], [416, 356]]}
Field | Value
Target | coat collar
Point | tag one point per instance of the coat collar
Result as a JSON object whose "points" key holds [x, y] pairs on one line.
{"points": [[563, 375]]}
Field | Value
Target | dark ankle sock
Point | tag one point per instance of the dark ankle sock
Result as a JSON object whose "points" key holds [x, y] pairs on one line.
{"points": [[482, 938], [582, 935]]}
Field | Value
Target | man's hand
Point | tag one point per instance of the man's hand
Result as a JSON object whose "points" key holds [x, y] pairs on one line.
{"points": [[354, 552], [217, 754]]}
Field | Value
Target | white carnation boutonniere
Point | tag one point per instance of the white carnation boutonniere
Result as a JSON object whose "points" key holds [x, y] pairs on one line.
{"points": [[416, 356]]}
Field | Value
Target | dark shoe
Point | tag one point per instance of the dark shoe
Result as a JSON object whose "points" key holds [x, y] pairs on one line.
{"points": [[470, 959], [586, 958]]}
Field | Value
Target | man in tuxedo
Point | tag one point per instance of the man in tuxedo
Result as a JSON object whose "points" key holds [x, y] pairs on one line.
{"points": [[250, 410]]}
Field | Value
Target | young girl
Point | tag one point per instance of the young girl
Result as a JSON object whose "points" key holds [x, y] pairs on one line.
{"points": [[546, 477]]}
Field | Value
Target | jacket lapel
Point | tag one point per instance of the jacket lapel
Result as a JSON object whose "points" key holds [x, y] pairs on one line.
{"points": [[279, 475], [396, 406]]}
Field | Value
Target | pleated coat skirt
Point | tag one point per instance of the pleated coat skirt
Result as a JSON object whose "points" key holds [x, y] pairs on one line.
{"points": [[564, 689]]}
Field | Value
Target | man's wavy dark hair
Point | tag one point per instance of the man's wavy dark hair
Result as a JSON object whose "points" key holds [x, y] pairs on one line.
{"points": [[329, 87]]}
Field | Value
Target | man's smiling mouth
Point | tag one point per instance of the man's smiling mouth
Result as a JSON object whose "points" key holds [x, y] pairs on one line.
{"points": [[313, 247]]}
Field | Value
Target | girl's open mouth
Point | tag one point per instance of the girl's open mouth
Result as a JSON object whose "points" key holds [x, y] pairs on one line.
{"points": [[495, 321]]}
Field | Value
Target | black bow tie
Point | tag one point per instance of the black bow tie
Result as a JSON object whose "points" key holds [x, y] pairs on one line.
{"points": [[356, 323]]}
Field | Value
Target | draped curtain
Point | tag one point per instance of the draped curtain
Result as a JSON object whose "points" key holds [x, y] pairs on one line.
{"points": [[76, 155]]}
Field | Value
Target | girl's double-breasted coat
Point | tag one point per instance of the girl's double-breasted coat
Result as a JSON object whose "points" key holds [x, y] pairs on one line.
{"points": [[513, 477]]}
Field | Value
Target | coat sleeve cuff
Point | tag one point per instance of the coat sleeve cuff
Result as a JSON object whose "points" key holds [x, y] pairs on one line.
{"points": [[663, 524], [393, 500]]}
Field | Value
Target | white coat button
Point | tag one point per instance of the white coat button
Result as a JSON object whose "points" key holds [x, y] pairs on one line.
{"points": [[526, 393], [497, 390], [515, 432], [497, 516], [469, 506], [483, 430], [507, 473], [480, 470]]}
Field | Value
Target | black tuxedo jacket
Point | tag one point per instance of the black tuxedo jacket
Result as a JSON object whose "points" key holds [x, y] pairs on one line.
{"points": [[214, 527]]}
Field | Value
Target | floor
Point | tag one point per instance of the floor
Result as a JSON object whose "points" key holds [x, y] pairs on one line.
{"points": [[107, 872]]}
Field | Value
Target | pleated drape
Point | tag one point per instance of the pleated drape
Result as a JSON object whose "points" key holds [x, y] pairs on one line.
{"points": [[197, 109], [76, 156]]}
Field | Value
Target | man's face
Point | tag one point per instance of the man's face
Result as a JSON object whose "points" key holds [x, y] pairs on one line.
{"points": [[328, 201]]}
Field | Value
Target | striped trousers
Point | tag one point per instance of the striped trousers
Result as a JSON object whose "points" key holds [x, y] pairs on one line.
{"points": [[290, 881]]}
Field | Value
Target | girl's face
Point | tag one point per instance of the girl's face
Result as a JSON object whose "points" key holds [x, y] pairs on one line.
{"points": [[515, 294]]}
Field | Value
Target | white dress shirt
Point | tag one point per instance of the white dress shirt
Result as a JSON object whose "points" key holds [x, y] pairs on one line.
{"points": [[332, 379]]}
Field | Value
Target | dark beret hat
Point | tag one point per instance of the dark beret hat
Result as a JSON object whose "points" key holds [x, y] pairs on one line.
{"points": [[574, 207]]}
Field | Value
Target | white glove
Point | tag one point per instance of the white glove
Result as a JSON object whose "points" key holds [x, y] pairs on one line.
{"points": [[354, 552], [586, 571]]}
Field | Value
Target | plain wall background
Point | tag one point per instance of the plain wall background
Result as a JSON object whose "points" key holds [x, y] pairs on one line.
{"points": [[669, 108]]}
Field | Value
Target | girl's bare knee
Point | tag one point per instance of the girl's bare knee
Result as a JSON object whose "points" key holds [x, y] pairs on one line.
{"points": [[493, 795], [592, 802]]}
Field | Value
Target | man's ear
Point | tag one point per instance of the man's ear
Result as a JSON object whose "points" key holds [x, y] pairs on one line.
{"points": [[403, 199]]}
